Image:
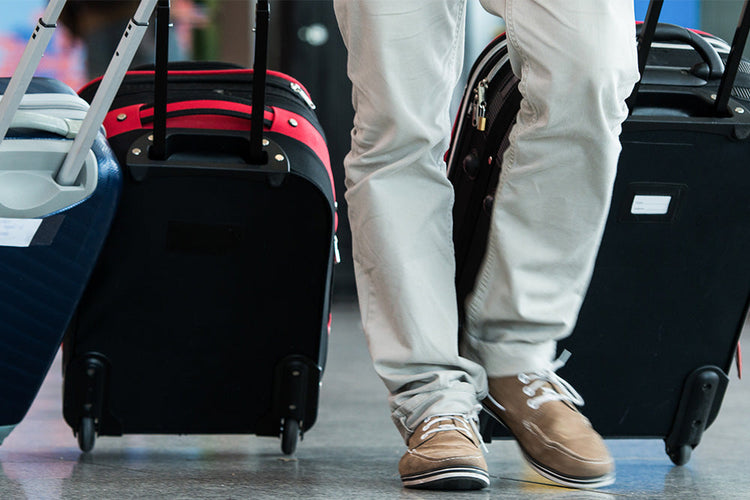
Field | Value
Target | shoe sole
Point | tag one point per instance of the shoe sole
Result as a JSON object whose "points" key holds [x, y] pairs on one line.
{"points": [[455, 478], [551, 474]]}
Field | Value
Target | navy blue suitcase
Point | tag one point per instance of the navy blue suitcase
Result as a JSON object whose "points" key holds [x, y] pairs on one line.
{"points": [[59, 188], [45, 258]]}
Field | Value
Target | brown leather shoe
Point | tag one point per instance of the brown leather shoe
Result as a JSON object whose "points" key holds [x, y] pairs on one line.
{"points": [[444, 454], [556, 440]]}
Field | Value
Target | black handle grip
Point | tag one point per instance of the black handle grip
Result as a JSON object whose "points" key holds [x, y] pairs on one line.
{"points": [[673, 33], [204, 152]]}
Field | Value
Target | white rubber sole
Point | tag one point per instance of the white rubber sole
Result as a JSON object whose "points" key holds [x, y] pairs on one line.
{"points": [[455, 478]]}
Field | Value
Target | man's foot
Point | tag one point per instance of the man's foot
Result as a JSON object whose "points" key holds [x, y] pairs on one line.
{"points": [[444, 454], [556, 440]]}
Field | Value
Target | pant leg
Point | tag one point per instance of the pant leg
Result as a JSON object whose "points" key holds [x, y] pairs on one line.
{"points": [[577, 63], [405, 58]]}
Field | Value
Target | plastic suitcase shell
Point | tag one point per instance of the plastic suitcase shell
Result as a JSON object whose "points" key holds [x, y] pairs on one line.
{"points": [[210, 309], [48, 247], [660, 324]]}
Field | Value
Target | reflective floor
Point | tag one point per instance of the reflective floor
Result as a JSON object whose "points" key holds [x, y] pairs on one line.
{"points": [[351, 452]]}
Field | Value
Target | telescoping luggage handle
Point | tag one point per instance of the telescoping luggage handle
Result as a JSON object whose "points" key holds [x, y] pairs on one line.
{"points": [[123, 56], [257, 155], [735, 57], [729, 71], [260, 66], [30, 59]]}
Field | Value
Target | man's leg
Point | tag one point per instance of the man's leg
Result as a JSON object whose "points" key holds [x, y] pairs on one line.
{"points": [[405, 57], [577, 63]]}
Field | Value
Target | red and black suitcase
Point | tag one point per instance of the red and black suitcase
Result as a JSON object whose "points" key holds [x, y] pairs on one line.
{"points": [[209, 309], [660, 324]]}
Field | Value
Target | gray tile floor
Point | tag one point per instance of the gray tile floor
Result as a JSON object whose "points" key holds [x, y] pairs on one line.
{"points": [[351, 452]]}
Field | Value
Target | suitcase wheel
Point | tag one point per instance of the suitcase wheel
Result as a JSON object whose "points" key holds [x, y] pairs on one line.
{"points": [[681, 454], [289, 435], [86, 434]]}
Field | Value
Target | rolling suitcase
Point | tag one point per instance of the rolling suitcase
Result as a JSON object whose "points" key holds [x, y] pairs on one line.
{"points": [[662, 317], [59, 186], [209, 309]]}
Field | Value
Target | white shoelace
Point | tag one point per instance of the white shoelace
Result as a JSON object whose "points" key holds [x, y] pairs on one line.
{"points": [[538, 380], [465, 424]]}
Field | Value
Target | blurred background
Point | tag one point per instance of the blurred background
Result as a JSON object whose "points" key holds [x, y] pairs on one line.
{"points": [[304, 43]]}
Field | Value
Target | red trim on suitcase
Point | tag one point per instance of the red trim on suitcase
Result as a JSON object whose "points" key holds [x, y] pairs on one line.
{"points": [[138, 116], [129, 118]]}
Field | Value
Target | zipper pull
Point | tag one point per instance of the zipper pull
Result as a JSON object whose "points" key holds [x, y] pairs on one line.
{"points": [[301, 92], [479, 120], [336, 253]]}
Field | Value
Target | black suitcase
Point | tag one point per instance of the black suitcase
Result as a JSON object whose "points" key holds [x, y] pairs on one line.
{"points": [[209, 310], [660, 324]]}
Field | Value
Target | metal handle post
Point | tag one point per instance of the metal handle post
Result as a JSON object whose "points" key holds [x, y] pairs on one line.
{"points": [[30, 59], [733, 62], [108, 87]]}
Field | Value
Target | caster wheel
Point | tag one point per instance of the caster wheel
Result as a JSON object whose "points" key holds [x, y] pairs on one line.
{"points": [[289, 435], [86, 434], [680, 455]]}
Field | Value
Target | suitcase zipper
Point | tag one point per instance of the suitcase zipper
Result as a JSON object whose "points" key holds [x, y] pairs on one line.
{"points": [[297, 89]]}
